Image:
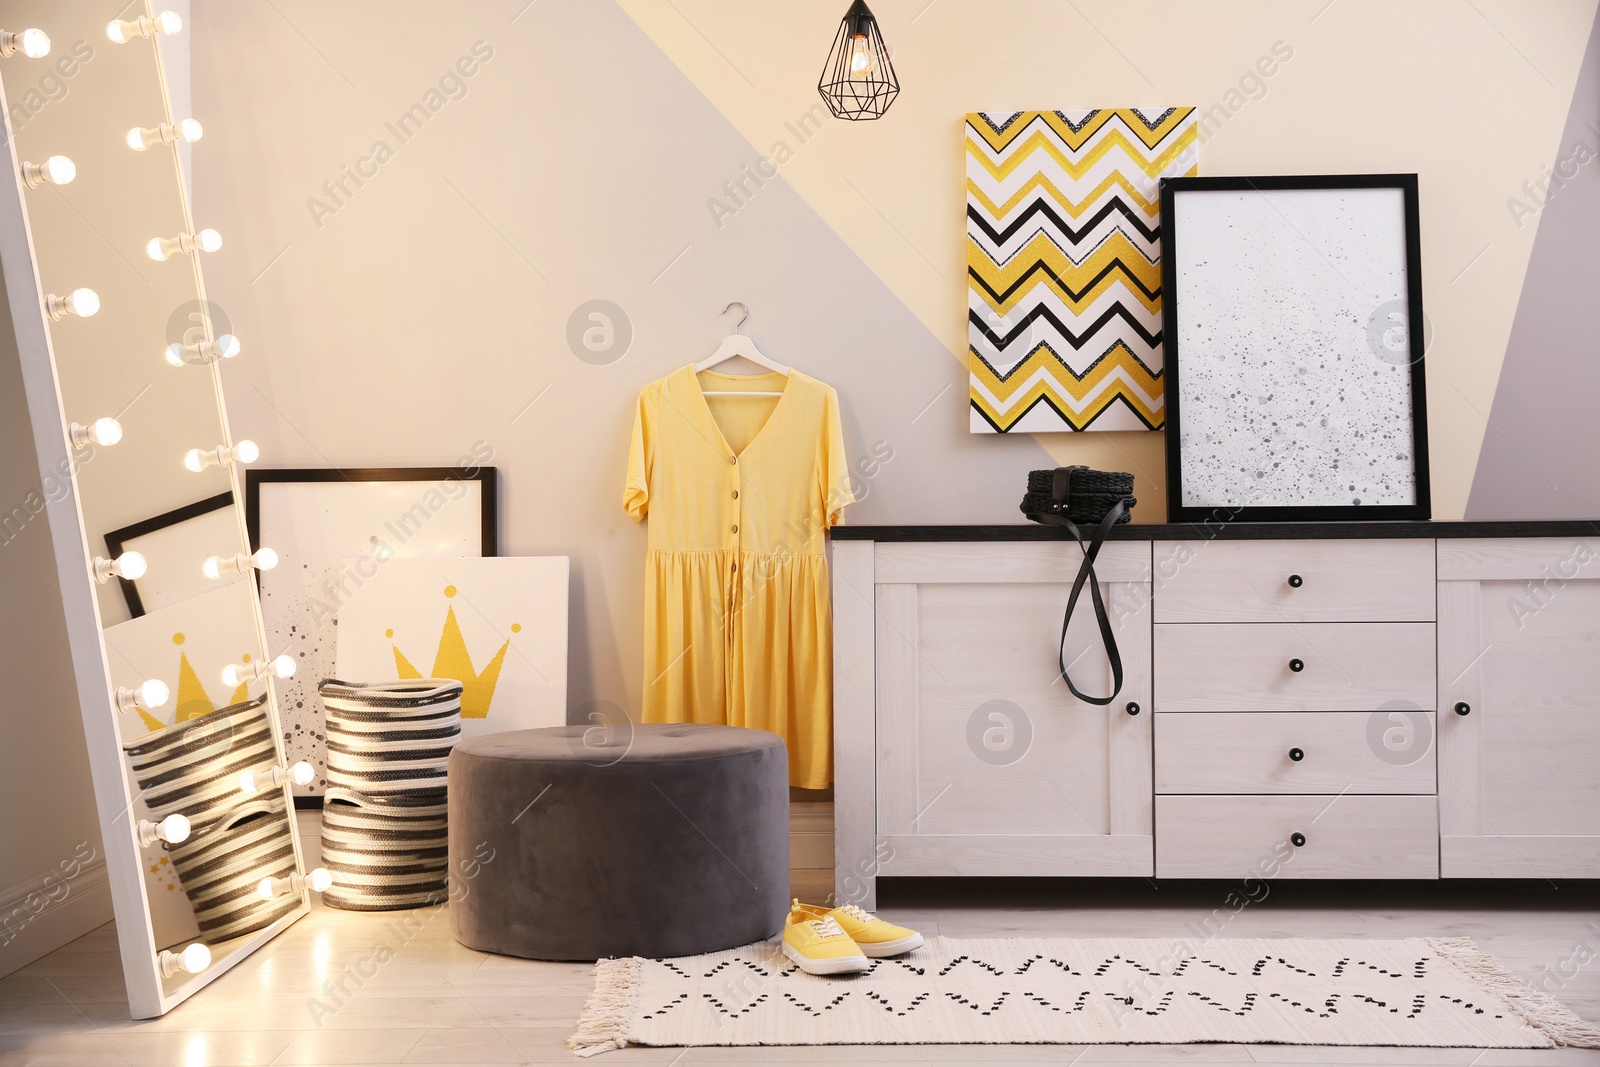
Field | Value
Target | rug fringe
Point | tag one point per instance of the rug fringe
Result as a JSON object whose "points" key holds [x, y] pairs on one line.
{"points": [[1538, 1009], [603, 1024]]}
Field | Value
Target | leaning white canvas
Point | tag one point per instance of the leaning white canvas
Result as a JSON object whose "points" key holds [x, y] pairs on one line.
{"points": [[498, 625]]}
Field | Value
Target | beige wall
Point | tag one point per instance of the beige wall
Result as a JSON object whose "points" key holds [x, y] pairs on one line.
{"points": [[50, 817], [403, 295]]}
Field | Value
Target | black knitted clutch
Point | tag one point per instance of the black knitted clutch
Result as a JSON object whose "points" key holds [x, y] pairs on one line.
{"points": [[1079, 494]]}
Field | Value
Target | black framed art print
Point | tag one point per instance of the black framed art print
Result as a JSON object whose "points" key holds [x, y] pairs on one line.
{"points": [[1294, 344]]}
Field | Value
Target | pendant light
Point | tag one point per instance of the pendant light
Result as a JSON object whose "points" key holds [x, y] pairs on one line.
{"points": [[858, 82]]}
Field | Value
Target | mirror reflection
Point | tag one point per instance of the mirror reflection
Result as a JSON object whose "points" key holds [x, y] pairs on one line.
{"points": [[135, 349]]}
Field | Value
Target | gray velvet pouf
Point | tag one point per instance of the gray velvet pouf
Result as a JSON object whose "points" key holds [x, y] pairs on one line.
{"points": [[578, 843]]}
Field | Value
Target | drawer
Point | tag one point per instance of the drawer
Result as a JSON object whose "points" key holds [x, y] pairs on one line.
{"points": [[1294, 581], [1296, 752], [1253, 837], [1250, 666]]}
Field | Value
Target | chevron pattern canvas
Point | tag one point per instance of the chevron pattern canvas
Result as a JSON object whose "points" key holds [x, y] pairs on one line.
{"points": [[1064, 265]]}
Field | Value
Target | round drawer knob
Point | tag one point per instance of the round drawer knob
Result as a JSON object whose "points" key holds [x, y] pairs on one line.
{"points": [[1297, 839], [1297, 665], [1463, 708], [1133, 708], [1295, 581], [1297, 754]]}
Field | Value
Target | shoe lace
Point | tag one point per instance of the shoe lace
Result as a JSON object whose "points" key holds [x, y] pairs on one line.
{"points": [[856, 913], [827, 927]]}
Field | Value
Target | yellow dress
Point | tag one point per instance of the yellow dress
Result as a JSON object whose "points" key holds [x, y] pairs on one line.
{"points": [[740, 492]]}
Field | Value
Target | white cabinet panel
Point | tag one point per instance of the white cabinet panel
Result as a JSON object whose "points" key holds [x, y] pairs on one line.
{"points": [[1251, 666], [1296, 752], [1255, 836], [1294, 581], [1520, 656], [982, 751]]}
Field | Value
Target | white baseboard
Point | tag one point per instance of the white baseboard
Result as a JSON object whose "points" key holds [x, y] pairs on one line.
{"points": [[86, 906]]}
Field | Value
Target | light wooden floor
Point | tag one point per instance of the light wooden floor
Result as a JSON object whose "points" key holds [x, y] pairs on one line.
{"points": [[436, 1002]]}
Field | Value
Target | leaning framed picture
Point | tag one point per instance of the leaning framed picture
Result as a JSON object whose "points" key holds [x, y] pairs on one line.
{"points": [[335, 532], [1294, 349], [172, 544]]}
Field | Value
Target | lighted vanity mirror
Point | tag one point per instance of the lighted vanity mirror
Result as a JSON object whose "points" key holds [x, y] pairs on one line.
{"points": [[119, 345]]}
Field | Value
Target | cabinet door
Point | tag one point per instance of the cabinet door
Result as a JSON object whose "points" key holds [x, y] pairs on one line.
{"points": [[1519, 708], [986, 763]]}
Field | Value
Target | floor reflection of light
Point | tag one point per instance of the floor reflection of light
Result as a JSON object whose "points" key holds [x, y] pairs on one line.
{"points": [[195, 1054], [321, 953]]}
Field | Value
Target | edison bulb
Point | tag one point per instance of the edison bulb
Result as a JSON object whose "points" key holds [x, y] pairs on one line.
{"points": [[83, 302], [105, 432], [35, 44], [194, 460], [248, 784], [300, 773], [190, 130], [284, 666], [155, 250], [153, 693], [169, 22], [246, 451], [265, 559], [132, 566], [321, 879], [267, 888], [212, 568], [860, 55], [209, 240]]}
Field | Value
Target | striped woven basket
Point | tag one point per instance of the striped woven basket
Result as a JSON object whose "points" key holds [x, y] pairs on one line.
{"points": [[383, 817], [192, 768]]}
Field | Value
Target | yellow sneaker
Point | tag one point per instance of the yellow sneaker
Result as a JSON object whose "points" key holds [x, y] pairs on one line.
{"points": [[875, 937], [818, 945]]}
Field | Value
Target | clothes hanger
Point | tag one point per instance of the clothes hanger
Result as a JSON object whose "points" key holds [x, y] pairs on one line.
{"points": [[737, 344]]}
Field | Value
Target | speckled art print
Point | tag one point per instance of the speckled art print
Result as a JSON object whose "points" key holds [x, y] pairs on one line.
{"points": [[1295, 349], [335, 531]]}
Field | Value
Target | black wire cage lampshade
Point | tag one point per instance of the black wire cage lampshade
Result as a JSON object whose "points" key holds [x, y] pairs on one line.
{"points": [[859, 81]]}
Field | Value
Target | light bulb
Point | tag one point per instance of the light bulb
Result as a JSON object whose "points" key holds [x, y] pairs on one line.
{"points": [[57, 170], [192, 960], [860, 55], [142, 137], [198, 459], [203, 354], [161, 249], [35, 44], [121, 31], [237, 674], [300, 773], [103, 432], [80, 302], [129, 565], [174, 830], [149, 695], [215, 567], [319, 880]]}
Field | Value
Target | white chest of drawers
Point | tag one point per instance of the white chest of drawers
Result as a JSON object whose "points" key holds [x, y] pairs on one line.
{"points": [[1422, 702]]}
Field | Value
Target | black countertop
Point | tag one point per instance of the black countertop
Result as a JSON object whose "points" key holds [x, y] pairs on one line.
{"points": [[1227, 531]]}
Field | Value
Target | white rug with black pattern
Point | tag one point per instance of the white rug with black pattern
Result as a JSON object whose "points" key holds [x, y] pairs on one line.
{"points": [[1431, 992]]}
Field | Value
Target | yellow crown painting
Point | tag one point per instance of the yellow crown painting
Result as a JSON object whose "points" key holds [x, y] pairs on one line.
{"points": [[193, 700], [452, 660]]}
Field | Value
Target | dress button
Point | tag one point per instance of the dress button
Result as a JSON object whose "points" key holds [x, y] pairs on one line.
{"points": [[736, 494], [733, 459], [736, 528], [735, 566]]}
